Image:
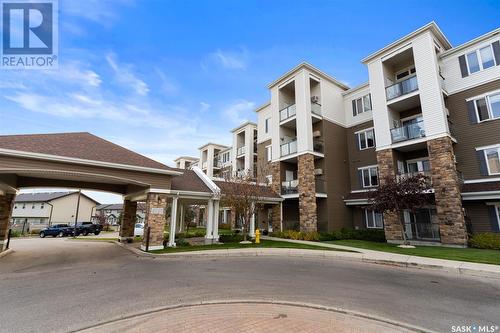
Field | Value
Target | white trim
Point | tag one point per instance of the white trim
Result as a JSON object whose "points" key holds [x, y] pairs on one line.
{"points": [[493, 92], [321, 195], [469, 43], [356, 202], [366, 212], [486, 158], [483, 180], [208, 182], [152, 247], [480, 58], [488, 106], [360, 191], [488, 147], [415, 141], [369, 174], [57, 158], [484, 195], [497, 210], [366, 138]]}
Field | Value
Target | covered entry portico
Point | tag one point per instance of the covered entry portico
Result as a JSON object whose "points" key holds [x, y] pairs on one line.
{"points": [[83, 161]]}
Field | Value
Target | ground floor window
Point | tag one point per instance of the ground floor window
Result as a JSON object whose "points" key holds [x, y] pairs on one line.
{"points": [[373, 219]]}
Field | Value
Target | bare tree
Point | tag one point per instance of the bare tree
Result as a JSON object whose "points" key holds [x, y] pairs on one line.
{"points": [[243, 195], [408, 193]]}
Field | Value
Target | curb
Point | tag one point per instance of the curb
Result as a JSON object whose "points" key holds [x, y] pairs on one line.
{"points": [[412, 262], [257, 302], [6, 252]]}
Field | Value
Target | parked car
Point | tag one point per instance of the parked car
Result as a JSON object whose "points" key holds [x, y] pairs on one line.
{"points": [[85, 228], [55, 230], [139, 229]]}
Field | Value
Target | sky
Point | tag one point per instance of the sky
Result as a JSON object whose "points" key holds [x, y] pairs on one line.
{"points": [[164, 77]]}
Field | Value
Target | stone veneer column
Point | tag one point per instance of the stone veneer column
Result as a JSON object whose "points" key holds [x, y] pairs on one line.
{"points": [[156, 205], [276, 187], [128, 221], [386, 168], [446, 186], [6, 203], [308, 218]]}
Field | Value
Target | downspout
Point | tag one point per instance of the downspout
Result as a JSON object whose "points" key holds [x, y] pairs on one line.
{"points": [[50, 216]]}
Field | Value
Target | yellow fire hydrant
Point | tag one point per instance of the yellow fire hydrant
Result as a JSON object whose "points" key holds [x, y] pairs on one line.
{"points": [[257, 236]]}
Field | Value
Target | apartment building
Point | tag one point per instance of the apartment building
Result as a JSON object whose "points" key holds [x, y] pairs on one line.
{"points": [[244, 150], [427, 108], [185, 162]]}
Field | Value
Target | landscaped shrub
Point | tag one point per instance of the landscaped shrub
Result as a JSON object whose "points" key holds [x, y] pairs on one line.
{"points": [[15, 233], [181, 242], [225, 226], [232, 238], [364, 234], [487, 240]]}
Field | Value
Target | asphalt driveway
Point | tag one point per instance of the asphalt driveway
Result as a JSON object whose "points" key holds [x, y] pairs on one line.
{"points": [[59, 285]]}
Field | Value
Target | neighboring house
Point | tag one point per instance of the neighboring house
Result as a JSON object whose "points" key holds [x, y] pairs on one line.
{"points": [[112, 213], [428, 108], [38, 210]]}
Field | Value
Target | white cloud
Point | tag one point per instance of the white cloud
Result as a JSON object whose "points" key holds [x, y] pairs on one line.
{"points": [[167, 85], [204, 106], [104, 12], [125, 76], [239, 111], [233, 60]]}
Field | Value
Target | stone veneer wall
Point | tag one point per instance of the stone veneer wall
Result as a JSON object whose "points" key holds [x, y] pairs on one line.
{"points": [[307, 193], [128, 219], [446, 186], [275, 169], [156, 221], [6, 203], [386, 168]]}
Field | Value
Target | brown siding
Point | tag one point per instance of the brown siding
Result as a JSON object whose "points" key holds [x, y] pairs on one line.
{"points": [[263, 167], [469, 135], [16, 163], [358, 218], [337, 175], [358, 158], [478, 215]]}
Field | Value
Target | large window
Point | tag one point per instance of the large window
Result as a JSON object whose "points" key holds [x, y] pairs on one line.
{"points": [[361, 105], [373, 219], [480, 59], [369, 176], [366, 139], [269, 155], [225, 157], [488, 107], [492, 156]]}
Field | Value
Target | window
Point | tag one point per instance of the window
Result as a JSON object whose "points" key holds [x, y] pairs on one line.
{"points": [[492, 156], [269, 153], [361, 104], [267, 123], [366, 139], [369, 176], [24, 206], [373, 219], [42, 205], [225, 157], [488, 107], [404, 73], [32, 206], [480, 59]]}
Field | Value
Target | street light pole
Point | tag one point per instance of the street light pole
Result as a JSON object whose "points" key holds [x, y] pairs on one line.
{"points": [[77, 209]]}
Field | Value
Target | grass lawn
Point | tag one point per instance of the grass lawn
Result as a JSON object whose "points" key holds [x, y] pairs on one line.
{"points": [[263, 244], [468, 254]]}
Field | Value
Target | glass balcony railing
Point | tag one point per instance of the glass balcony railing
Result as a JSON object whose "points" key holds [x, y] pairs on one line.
{"points": [[290, 187], [408, 132], [288, 112], [240, 151], [401, 88], [289, 148], [316, 108]]}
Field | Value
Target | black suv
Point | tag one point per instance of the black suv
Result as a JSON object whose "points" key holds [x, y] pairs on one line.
{"points": [[85, 228]]}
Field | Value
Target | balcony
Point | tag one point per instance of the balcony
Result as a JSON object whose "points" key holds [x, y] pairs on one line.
{"points": [[289, 148], [404, 176], [408, 132], [401, 88], [424, 231], [240, 151], [217, 163], [204, 165], [290, 187], [288, 112], [316, 109], [320, 186], [318, 146]]}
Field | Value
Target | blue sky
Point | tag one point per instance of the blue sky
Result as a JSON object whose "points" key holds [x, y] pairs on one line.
{"points": [[164, 77]]}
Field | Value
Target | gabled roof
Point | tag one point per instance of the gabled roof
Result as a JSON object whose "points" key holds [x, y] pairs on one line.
{"points": [[432, 26], [187, 158], [119, 206], [189, 181], [46, 196], [216, 145], [80, 146], [232, 188], [243, 125], [312, 69]]}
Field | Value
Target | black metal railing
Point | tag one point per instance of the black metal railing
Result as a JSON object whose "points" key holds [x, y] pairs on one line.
{"points": [[422, 231]]}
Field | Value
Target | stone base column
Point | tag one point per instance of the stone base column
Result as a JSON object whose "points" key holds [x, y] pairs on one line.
{"points": [[128, 221], [156, 205], [276, 218], [307, 194], [447, 192], [6, 203], [387, 169]]}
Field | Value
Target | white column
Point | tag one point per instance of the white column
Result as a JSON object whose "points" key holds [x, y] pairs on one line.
{"points": [[215, 231], [252, 223], [173, 219], [182, 223], [224, 218], [210, 220]]}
